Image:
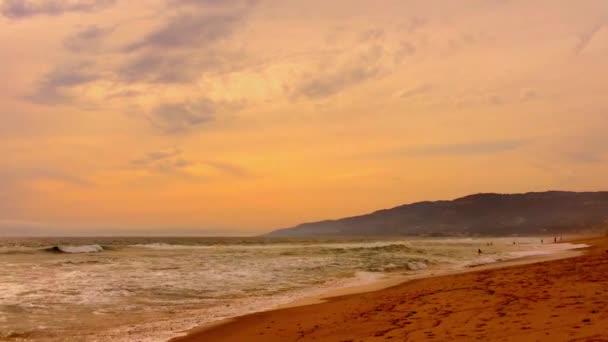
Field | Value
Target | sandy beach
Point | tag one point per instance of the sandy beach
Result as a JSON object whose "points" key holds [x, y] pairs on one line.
{"points": [[554, 300]]}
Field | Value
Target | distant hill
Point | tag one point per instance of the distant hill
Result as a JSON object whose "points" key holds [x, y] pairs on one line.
{"points": [[480, 214]]}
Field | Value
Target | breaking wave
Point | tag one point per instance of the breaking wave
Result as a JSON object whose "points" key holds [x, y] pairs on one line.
{"points": [[76, 249], [166, 246], [396, 247]]}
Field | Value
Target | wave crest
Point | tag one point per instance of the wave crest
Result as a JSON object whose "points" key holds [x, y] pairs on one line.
{"points": [[166, 246], [77, 249]]}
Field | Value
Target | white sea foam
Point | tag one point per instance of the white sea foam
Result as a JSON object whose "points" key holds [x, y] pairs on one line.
{"points": [[415, 266], [547, 249], [166, 246], [78, 249]]}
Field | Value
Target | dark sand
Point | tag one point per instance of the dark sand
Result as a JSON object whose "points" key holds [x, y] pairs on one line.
{"points": [[558, 300]]}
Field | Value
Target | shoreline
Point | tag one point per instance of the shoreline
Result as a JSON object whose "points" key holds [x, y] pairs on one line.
{"points": [[381, 284], [201, 333]]}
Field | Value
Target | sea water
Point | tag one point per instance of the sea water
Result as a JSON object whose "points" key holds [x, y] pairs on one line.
{"points": [[152, 289]]}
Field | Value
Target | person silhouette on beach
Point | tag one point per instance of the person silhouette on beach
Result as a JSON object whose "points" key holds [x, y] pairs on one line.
{"points": [[479, 251], [555, 239]]}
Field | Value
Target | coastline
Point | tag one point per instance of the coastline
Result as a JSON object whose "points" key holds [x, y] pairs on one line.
{"points": [[273, 325]]}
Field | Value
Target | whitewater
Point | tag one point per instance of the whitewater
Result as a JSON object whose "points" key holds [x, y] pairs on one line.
{"points": [[152, 289]]}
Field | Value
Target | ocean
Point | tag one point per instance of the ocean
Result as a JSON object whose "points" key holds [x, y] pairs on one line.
{"points": [[152, 289]]}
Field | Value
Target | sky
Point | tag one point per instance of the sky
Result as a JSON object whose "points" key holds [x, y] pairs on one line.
{"points": [[222, 117]]}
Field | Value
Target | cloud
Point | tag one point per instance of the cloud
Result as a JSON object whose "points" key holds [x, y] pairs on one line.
{"points": [[15, 175], [52, 89], [176, 66], [174, 118], [474, 148], [418, 90], [327, 85], [215, 3], [586, 37], [187, 45], [478, 148], [88, 40], [169, 161], [372, 53], [228, 168], [157, 68], [188, 30], [365, 66], [156, 156], [172, 161], [18, 9], [405, 49], [124, 94], [179, 51]]}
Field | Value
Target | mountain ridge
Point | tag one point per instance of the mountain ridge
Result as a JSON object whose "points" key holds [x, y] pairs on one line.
{"points": [[476, 214]]}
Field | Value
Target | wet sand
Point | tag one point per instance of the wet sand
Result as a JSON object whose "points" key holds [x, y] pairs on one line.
{"points": [[554, 300]]}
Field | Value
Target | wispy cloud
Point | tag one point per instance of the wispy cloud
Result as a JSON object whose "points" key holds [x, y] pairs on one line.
{"points": [[455, 149], [228, 168], [176, 66], [324, 86], [28, 174], [156, 156], [18, 9], [585, 38], [180, 50], [417, 90], [88, 40], [186, 45], [173, 161], [472, 148], [406, 49], [188, 30], [364, 66], [176, 118], [52, 88], [167, 161]]}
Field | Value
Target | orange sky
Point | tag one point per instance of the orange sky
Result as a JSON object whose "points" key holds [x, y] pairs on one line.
{"points": [[236, 117]]}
